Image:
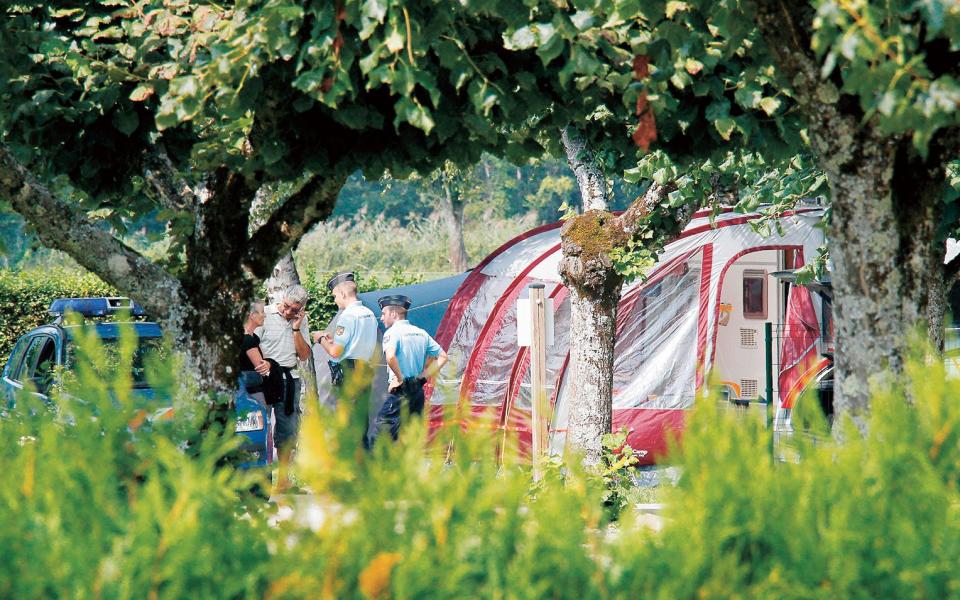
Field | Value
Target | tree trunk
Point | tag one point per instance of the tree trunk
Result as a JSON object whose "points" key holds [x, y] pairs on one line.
{"points": [[452, 211], [587, 271], [593, 321], [886, 205], [284, 276], [887, 262]]}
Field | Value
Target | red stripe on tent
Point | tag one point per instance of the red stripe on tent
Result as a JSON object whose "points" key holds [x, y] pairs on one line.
{"points": [[702, 320], [723, 274], [504, 303], [458, 305], [736, 221], [468, 289]]}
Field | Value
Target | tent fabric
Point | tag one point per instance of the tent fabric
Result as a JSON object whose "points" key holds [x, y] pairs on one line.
{"points": [[799, 356], [429, 300], [666, 328]]}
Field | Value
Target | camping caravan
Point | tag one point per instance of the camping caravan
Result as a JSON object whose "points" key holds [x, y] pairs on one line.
{"points": [[697, 317]]}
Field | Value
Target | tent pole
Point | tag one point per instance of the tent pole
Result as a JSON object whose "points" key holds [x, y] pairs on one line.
{"points": [[538, 375]]}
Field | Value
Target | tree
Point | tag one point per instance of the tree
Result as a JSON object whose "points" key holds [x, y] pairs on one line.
{"points": [[599, 249], [868, 90], [186, 109]]}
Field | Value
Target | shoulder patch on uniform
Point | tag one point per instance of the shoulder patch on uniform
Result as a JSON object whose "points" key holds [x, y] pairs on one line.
{"points": [[340, 330]]}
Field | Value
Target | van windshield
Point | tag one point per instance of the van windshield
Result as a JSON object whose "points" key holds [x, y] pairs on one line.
{"points": [[146, 347]]}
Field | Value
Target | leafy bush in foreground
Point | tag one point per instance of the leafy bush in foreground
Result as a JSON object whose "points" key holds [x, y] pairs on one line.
{"points": [[92, 509]]}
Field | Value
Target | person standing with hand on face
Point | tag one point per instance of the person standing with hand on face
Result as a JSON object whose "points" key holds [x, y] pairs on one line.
{"points": [[413, 358], [283, 338]]}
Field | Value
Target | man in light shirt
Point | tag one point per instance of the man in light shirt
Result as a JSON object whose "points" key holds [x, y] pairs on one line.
{"points": [[413, 358], [283, 338], [352, 343]]}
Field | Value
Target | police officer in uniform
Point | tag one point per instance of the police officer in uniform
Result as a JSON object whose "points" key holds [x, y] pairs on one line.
{"points": [[412, 357], [354, 339]]}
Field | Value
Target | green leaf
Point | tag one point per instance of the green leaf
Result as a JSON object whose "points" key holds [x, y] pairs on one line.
{"points": [[725, 127], [126, 121], [769, 105], [718, 109]]}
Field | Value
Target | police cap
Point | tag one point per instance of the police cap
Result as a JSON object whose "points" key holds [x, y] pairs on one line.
{"points": [[339, 278], [397, 300]]}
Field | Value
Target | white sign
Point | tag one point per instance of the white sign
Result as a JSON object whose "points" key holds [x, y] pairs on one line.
{"points": [[525, 324]]}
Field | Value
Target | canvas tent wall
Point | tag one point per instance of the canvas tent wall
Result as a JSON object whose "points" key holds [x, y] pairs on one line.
{"points": [[666, 328]]}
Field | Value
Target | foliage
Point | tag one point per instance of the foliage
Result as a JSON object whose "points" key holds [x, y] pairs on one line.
{"points": [[26, 296], [618, 469], [96, 508], [373, 244], [321, 306], [897, 58], [243, 83]]}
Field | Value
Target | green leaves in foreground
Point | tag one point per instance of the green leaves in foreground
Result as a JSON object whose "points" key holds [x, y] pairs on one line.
{"points": [[96, 511]]}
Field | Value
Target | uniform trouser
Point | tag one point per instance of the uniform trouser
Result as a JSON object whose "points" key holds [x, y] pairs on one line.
{"points": [[389, 415], [353, 385]]}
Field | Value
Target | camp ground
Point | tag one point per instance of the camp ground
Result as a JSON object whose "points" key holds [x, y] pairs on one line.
{"points": [[698, 316]]}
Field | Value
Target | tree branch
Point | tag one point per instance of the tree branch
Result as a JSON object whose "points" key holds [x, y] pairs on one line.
{"points": [[60, 226], [172, 190], [583, 162], [305, 208], [653, 198], [835, 134]]}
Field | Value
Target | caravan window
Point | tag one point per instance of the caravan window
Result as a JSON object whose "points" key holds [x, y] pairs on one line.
{"points": [[754, 294]]}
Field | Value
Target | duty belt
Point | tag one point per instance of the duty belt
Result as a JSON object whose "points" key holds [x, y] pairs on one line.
{"points": [[337, 369]]}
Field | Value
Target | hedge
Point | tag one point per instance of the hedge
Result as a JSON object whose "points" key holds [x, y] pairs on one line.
{"points": [[26, 295]]}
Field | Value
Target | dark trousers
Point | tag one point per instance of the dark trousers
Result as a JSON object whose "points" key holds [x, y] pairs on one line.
{"points": [[411, 392]]}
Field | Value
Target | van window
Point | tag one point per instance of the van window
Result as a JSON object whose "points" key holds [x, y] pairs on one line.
{"points": [[39, 361], [13, 367], [754, 294]]}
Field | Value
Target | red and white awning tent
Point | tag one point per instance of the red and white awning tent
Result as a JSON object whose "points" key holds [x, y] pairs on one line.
{"points": [[666, 329]]}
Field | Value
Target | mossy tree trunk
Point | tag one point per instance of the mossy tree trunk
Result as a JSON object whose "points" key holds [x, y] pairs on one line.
{"points": [[587, 269], [885, 247]]}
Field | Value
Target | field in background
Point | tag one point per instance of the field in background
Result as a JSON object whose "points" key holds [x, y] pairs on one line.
{"points": [[382, 247]]}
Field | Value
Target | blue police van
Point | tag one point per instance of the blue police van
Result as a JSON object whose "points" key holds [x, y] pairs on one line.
{"points": [[41, 356]]}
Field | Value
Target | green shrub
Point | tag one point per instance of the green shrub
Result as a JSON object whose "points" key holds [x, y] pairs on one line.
{"points": [[96, 507], [25, 297], [93, 509]]}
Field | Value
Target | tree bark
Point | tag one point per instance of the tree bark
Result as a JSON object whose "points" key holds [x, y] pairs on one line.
{"points": [[451, 209], [201, 308], [886, 257], [284, 276], [587, 271], [583, 162]]}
